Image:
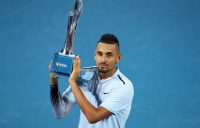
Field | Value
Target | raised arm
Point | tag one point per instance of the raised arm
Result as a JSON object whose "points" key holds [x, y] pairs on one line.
{"points": [[60, 105], [93, 114]]}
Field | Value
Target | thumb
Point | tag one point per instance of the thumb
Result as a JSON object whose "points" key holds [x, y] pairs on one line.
{"points": [[77, 62]]}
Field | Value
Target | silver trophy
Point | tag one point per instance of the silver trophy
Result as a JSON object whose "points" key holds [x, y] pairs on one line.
{"points": [[62, 62]]}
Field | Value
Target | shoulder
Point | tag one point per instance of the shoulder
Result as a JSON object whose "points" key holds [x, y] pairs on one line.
{"points": [[123, 80], [122, 85]]}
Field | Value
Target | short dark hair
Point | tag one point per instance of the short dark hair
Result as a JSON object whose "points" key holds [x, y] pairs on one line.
{"points": [[109, 39]]}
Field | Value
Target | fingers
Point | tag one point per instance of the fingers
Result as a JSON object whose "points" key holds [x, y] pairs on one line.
{"points": [[77, 62], [49, 67], [52, 75], [76, 70]]}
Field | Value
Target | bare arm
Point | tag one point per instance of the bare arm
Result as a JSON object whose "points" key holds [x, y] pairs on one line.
{"points": [[92, 113]]}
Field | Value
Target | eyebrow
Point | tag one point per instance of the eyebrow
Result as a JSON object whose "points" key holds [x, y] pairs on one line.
{"points": [[104, 53], [109, 53]]}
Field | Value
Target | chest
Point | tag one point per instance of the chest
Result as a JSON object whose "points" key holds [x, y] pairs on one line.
{"points": [[105, 91]]}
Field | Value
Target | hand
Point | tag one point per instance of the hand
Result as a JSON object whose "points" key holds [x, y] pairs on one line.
{"points": [[53, 78], [76, 70]]}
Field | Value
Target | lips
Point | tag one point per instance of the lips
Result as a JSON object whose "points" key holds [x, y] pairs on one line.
{"points": [[103, 65]]}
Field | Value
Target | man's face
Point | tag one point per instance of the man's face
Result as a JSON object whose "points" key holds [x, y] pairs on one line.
{"points": [[106, 56]]}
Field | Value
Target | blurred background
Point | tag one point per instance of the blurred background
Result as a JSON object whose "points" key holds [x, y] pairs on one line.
{"points": [[160, 44]]}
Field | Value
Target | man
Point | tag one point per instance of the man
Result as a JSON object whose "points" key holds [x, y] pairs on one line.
{"points": [[103, 93]]}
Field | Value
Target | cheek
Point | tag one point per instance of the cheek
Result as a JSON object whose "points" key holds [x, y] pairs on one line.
{"points": [[96, 59], [112, 61]]}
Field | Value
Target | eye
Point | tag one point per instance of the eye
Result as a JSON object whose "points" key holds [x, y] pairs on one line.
{"points": [[99, 53], [109, 55]]}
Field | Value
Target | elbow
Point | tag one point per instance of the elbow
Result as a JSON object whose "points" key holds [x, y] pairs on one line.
{"points": [[58, 116], [92, 121], [94, 116]]}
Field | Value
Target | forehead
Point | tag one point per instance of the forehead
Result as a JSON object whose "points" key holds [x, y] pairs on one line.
{"points": [[105, 48]]}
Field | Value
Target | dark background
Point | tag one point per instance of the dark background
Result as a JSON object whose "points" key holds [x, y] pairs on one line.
{"points": [[160, 44]]}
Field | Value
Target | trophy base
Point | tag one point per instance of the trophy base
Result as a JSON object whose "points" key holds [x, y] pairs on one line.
{"points": [[62, 64]]}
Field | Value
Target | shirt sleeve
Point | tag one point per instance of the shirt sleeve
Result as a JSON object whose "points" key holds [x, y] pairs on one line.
{"points": [[119, 99], [68, 95], [86, 81]]}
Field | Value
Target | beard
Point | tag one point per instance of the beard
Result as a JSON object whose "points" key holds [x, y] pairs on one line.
{"points": [[102, 70]]}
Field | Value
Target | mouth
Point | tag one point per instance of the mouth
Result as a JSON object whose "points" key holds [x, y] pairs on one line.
{"points": [[103, 65], [103, 68]]}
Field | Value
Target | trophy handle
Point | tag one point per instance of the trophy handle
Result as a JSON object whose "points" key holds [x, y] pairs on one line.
{"points": [[73, 18]]}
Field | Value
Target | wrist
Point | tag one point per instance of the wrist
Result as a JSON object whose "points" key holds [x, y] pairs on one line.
{"points": [[53, 85], [53, 80], [72, 81]]}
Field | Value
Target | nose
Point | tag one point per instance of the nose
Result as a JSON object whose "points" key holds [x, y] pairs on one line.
{"points": [[103, 59]]}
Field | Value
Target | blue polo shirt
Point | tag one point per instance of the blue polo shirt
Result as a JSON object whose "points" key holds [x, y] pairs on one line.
{"points": [[114, 93]]}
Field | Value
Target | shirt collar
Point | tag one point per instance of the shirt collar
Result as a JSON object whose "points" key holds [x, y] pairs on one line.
{"points": [[109, 78]]}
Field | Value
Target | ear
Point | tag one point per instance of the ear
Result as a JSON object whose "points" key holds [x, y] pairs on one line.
{"points": [[95, 55], [119, 57]]}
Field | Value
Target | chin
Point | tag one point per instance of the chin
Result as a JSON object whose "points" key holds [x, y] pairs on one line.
{"points": [[102, 70]]}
